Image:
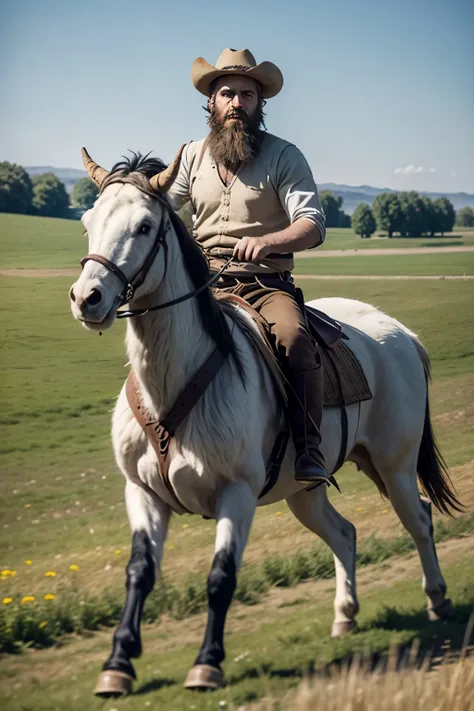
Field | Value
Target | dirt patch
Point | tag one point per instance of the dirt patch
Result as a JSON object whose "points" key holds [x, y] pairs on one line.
{"points": [[373, 277], [39, 273], [378, 252]]}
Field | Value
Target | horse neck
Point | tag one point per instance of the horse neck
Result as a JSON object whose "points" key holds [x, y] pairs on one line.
{"points": [[167, 347]]}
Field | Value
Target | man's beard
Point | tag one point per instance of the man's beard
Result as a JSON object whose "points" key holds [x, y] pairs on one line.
{"points": [[235, 142]]}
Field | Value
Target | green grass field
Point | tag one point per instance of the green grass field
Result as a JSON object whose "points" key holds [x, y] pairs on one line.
{"points": [[35, 242], [61, 498]]}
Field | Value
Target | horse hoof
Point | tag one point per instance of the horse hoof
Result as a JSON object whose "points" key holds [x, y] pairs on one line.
{"points": [[339, 629], [113, 683], [203, 676], [445, 611]]}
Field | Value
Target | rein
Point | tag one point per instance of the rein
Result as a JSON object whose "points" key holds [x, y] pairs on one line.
{"points": [[131, 286]]}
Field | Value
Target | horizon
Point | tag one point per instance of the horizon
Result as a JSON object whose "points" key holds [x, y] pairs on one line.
{"points": [[381, 95]]}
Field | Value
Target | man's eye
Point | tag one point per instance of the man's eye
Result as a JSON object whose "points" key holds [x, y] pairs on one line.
{"points": [[144, 228]]}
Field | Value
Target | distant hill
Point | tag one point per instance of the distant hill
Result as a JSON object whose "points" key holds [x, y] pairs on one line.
{"points": [[69, 176], [351, 194]]}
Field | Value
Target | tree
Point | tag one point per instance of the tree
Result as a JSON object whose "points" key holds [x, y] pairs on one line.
{"points": [[50, 198], [445, 213], [465, 217], [363, 220], [414, 214], [331, 205], [16, 191], [84, 194], [388, 213], [430, 216]]}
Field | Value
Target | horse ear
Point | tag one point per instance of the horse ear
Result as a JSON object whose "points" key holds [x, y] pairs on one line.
{"points": [[161, 182], [94, 171]]}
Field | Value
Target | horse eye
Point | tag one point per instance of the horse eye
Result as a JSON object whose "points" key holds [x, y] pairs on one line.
{"points": [[144, 229]]}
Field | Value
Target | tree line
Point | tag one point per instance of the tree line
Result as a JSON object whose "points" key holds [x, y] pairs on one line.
{"points": [[407, 214], [43, 195]]}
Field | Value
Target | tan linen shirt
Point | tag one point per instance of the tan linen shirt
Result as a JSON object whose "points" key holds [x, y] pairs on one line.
{"points": [[265, 196]]}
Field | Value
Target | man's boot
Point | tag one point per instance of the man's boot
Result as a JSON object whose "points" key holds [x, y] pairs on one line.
{"points": [[305, 409]]}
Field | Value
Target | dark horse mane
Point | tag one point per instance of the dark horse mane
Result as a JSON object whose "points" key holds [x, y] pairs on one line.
{"points": [[137, 170]]}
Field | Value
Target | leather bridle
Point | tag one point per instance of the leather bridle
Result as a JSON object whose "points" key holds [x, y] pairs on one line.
{"points": [[130, 287]]}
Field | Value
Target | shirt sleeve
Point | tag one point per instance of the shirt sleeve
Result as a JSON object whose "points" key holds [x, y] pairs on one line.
{"points": [[178, 194], [297, 190]]}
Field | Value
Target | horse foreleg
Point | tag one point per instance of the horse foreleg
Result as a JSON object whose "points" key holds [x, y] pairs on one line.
{"points": [[235, 511], [315, 512], [149, 522]]}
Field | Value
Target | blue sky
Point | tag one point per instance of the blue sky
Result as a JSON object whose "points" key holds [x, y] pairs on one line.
{"points": [[375, 92]]}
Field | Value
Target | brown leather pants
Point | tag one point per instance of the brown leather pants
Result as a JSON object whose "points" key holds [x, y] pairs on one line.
{"points": [[298, 351]]}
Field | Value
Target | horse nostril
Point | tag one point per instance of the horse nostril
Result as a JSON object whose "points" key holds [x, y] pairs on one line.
{"points": [[72, 295], [94, 297]]}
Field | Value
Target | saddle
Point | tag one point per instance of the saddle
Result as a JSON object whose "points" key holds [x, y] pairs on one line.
{"points": [[344, 380]]}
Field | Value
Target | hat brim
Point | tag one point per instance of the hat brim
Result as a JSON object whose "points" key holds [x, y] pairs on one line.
{"points": [[266, 74]]}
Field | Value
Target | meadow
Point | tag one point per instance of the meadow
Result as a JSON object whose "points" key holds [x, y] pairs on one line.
{"points": [[65, 532], [34, 242]]}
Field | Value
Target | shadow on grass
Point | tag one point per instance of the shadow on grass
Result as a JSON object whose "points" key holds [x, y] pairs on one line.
{"points": [[453, 241], [432, 636], [428, 642], [154, 685]]}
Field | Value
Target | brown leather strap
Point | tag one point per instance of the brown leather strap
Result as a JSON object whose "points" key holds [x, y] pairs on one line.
{"points": [[160, 434]]}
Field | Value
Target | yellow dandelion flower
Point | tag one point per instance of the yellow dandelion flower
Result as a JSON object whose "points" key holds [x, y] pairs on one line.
{"points": [[27, 598], [50, 596], [5, 573], [170, 548], [28, 562], [50, 574], [12, 573], [42, 624], [7, 600], [185, 525], [117, 551], [359, 509], [73, 567], [278, 513], [385, 511], [27, 506]]}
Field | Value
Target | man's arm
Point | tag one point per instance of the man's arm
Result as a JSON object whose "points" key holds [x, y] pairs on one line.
{"points": [[302, 234], [178, 194], [299, 198]]}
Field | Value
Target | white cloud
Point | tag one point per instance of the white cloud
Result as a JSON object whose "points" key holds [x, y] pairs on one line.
{"points": [[408, 169]]}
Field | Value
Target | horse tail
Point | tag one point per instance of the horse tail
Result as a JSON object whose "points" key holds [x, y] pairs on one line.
{"points": [[431, 467]]}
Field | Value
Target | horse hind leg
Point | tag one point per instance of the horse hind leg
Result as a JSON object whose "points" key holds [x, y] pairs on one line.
{"points": [[149, 522], [414, 511], [314, 510]]}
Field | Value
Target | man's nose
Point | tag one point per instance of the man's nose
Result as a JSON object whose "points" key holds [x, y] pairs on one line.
{"points": [[236, 102]]}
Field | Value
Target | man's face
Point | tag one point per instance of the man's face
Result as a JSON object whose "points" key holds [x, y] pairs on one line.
{"points": [[234, 95]]}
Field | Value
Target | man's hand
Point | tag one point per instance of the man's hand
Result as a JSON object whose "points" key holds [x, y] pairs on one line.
{"points": [[251, 249]]}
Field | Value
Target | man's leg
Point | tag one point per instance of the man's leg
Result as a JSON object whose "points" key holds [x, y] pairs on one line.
{"points": [[303, 369]]}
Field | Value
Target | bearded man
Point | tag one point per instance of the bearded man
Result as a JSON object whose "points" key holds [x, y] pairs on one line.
{"points": [[254, 197]]}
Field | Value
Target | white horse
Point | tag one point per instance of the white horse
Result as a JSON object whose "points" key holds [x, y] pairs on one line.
{"points": [[219, 452]]}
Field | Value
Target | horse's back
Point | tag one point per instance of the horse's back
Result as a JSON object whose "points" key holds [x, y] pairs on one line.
{"points": [[388, 352]]}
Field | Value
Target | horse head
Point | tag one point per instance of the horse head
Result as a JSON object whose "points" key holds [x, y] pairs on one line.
{"points": [[126, 228]]}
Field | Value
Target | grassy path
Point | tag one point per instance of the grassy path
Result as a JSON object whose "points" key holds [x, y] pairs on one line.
{"points": [[269, 645]]}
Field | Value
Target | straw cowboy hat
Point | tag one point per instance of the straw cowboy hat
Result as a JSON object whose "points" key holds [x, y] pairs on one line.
{"points": [[237, 61]]}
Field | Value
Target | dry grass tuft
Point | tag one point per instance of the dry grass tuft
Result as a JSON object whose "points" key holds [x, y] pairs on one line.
{"points": [[356, 687]]}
